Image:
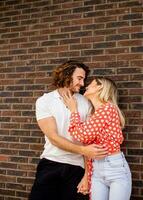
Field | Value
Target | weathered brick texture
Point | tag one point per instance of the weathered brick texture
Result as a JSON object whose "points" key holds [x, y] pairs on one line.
{"points": [[36, 36]]}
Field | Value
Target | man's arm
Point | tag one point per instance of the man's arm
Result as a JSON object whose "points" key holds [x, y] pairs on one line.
{"points": [[49, 128]]}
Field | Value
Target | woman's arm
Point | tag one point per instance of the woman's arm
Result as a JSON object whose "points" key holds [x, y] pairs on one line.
{"points": [[82, 131], [49, 128], [83, 186], [86, 132]]}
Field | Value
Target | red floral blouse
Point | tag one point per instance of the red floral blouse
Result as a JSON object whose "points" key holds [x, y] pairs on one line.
{"points": [[103, 128]]}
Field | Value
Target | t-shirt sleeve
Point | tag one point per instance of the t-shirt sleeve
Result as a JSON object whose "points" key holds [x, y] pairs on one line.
{"points": [[42, 109]]}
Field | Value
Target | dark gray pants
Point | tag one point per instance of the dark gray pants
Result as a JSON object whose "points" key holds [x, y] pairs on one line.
{"points": [[56, 181]]}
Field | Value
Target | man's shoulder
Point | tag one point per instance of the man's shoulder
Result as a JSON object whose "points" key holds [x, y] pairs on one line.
{"points": [[81, 97], [46, 97]]}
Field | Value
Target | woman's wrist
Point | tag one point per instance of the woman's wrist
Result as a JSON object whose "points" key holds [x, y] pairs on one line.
{"points": [[85, 174], [73, 110]]}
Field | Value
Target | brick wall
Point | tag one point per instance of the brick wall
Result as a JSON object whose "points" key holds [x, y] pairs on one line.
{"points": [[36, 36]]}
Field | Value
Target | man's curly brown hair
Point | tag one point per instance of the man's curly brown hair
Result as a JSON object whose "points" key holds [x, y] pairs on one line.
{"points": [[62, 75]]}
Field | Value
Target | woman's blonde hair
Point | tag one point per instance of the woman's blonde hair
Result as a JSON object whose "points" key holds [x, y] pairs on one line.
{"points": [[109, 93]]}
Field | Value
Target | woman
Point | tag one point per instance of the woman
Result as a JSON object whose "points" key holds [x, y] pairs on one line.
{"points": [[110, 178]]}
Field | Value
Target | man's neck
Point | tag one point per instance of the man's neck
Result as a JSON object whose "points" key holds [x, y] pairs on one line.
{"points": [[64, 89]]}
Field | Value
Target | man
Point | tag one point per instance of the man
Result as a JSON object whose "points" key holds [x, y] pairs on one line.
{"points": [[61, 166]]}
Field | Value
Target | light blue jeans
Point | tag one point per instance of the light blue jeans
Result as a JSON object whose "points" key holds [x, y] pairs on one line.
{"points": [[111, 178]]}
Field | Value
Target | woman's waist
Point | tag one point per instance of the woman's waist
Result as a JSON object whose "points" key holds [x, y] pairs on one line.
{"points": [[110, 140], [114, 156], [112, 148], [114, 153]]}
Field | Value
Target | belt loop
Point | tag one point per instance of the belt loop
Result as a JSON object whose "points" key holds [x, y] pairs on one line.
{"points": [[107, 159], [122, 155]]}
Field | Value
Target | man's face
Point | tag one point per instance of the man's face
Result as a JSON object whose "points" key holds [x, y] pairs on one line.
{"points": [[78, 80]]}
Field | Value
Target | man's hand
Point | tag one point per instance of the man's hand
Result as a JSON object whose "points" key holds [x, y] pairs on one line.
{"points": [[94, 151]]}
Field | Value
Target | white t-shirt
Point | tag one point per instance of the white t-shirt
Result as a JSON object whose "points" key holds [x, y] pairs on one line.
{"points": [[51, 104]]}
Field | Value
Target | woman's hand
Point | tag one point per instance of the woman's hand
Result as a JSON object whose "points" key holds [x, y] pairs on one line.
{"points": [[83, 185], [69, 101]]}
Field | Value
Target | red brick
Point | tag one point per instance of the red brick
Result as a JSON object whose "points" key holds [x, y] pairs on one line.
{"points": [[117, 51], [130, 29], [119, 11], [129, 43], [81, 21], [71, 16], [69, 54], [60, 24], [71, 5], [3, 158], [104, 58], [129, 57], [58, 48], [92, 39]]}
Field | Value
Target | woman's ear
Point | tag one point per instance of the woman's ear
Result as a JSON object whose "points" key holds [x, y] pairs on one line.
{"points": [[100, 87]]}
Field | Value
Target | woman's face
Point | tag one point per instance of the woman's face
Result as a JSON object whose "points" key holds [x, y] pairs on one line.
{"points": [[92, 89]]}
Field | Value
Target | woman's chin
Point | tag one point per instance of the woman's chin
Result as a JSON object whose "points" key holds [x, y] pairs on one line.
{"points": [[85, 95]]}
